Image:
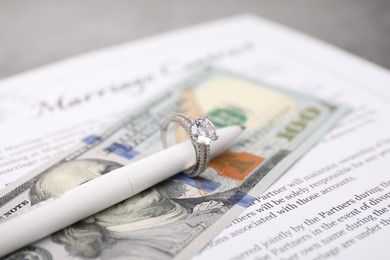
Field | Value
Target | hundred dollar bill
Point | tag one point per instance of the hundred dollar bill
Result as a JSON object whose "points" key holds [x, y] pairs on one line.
{"points": [[178, 217]]}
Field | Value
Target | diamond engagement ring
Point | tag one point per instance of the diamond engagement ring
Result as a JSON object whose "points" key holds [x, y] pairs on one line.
{"points": [[201, 132]]}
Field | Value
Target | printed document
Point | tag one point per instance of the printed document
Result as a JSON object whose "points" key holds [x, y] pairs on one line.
{"points": [[333, 203]]}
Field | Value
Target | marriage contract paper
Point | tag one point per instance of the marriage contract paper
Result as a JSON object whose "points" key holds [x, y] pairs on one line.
{"points": [[332, 204]]}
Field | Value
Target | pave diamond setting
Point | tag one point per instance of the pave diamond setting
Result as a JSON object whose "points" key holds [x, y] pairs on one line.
{"points": [[203, 131]]}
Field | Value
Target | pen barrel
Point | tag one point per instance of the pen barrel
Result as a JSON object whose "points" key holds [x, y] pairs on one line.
{"points": [[100, 193], [160, 166], [72, 206]]}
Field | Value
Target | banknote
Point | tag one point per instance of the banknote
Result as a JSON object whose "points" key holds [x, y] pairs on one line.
{"points": [[176, 218]]}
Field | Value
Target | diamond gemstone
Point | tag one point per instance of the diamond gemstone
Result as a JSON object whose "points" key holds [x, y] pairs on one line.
{"points": [[203, 131]]}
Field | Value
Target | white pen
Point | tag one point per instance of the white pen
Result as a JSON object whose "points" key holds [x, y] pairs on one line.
{"points": [[103, 192]]}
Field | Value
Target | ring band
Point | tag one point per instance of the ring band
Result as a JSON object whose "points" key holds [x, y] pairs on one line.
{"points": [[201, 132]]}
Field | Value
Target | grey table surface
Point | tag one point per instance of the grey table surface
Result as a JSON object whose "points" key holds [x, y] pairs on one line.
{"points": [[36, 33]]}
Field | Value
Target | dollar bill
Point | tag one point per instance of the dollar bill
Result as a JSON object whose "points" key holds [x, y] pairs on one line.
{"points": [[178, 217]]}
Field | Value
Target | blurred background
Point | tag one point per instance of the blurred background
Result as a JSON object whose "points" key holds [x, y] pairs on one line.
{"points": [[39, 32]]}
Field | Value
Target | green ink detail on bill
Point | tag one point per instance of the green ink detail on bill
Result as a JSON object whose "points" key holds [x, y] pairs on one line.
{"points": [[299, 124], [222, 117]]}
